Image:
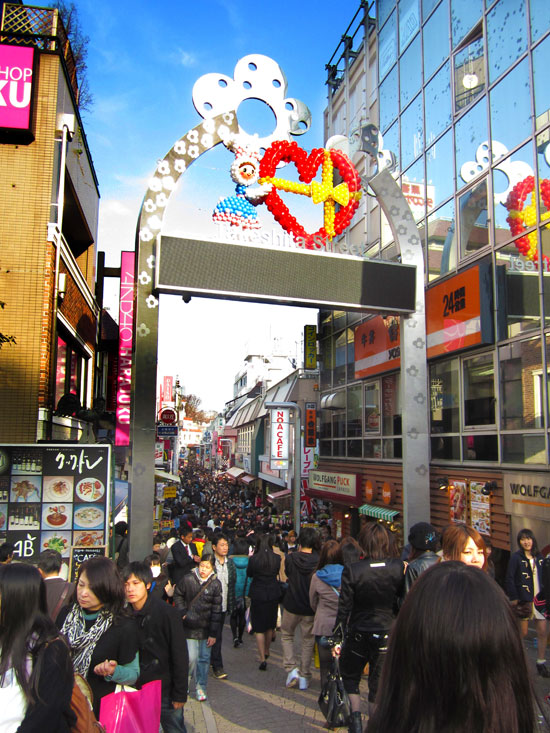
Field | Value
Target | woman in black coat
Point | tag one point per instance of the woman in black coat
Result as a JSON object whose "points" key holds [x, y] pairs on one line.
{"points": [[524, 587], [198, 596], [265, 593], [369, 596]]}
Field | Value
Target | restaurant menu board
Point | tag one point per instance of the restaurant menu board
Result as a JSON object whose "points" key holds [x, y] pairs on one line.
{"points": [[54, 497], [80, 555], [480, 508], [457, 501]]}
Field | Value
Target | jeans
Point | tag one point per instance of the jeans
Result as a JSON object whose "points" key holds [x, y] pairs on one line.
{"points": [[171, 720], [288, 629], [217, 661], [199, 661]]}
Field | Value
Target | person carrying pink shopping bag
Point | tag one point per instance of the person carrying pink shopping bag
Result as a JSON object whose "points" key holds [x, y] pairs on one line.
{"points": [[132, 711]]}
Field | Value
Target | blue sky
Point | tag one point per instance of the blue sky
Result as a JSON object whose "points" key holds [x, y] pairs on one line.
{"points": [[143, 61]]}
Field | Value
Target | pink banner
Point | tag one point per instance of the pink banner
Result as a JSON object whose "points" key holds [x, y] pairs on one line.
{"points": [[125, 343], [16, 68]]}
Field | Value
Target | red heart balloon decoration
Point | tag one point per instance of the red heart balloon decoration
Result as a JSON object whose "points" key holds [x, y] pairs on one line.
{"points": [[283, 151]]}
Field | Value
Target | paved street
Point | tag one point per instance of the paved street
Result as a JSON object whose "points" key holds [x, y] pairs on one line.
{"points": [[250, 700]]}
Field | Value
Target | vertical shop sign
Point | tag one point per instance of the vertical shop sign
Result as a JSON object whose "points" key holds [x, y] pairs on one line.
{"points": [[310, 347], [311, 425], [168, 391], [279, 438], [125, 350]]}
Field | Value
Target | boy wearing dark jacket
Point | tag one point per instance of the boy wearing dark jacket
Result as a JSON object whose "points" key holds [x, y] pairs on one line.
{"points": [[162, 647], [299, 567]]}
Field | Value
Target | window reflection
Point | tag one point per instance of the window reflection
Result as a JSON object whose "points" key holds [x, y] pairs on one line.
{"points": [[540, 18], [517, 288], [439, 177], [444, 397], [511, 107], [391, 141], [372, 408], [384, 9], [474, 229], [410, 72], [438, 104], [436, 39], [506, 176], [470, 133], [541, 64], [506, 35], [409, 22], [412, 132], [442, 250], [464, 15], [479, 391], [428, 6], [355, 411], [387, 46], [480, 447], [414, 190], [391, 405], [388, 99], [469, 74], [523, 449], [521, 402]]}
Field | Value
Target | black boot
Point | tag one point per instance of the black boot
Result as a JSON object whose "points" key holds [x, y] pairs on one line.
{"points": [[355, 723]]}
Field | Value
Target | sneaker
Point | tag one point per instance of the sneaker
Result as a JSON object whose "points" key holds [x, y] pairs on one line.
{"points": [[303, 683], [542, 669], [219, 673], [236, 642], [292, 678], [201, 695]]}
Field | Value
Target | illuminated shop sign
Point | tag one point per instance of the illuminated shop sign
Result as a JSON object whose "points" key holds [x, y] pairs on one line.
{"points": [[16, 86], [125, 339], [338, 487], [279, 438], [377, 346]]}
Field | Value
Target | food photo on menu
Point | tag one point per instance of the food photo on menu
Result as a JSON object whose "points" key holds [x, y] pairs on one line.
{"points": [[88, 517], [90, 490], [88, 538], [58, 488], [3, 517], [26, 489], [60, 541], [56, 516]]}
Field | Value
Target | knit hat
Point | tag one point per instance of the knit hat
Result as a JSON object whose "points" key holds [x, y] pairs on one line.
{"points": [[423, 536]]}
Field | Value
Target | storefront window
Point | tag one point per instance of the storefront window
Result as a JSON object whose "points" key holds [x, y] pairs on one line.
{"points": [[391, 405], [479, 391], [326, 424], [339, 424], [438, 110], [355, 411], [410, 72], [517, 289], [372, 449], [372, 407], [521, 404], [506, 35], [340, 358], [469, 74], [60, 371], [511, 108], [480, 447], [445, 447], [444, 397], [474, 229], [522, 448], [436, 39], [327, 363], [71, 374]]}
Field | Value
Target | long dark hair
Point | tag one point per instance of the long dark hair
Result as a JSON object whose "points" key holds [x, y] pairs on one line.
{"points": [[377, 542], [522, 534], [265, 560], [106, 583], [455, 634], [25, 628]]}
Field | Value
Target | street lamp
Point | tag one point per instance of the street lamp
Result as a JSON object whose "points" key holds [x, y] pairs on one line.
{"points": [[297, 454]]}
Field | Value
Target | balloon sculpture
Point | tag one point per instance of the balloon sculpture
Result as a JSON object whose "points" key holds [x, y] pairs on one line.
{"points": [[522, 217], [248, 169]]}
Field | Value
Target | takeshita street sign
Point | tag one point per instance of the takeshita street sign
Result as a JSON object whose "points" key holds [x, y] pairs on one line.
{"points": [[345, 282]]}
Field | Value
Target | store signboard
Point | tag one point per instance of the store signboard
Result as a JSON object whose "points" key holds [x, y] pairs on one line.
{"points": [[279, 456], [342, 488], [17, 65], [377, 346], [54, 497], [527, 495], [310, 347], [459, 311], [125, 351]]}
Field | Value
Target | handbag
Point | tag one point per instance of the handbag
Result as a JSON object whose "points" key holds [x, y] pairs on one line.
{"points": [[134, 711], [248, 621], [81, 705], [333, 700], [523, 609]]}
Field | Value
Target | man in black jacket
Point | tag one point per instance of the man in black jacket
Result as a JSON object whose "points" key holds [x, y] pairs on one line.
{"points": [[299, 567], [185, 555], [162, 645]]}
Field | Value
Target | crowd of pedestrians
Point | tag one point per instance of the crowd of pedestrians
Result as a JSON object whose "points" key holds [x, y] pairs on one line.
{"points": [[435, 635]]}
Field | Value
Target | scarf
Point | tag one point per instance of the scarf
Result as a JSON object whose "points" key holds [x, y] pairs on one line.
{"points": [[83, 642]]}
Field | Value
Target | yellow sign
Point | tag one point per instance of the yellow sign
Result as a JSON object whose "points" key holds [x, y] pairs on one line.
{"points": [[170, 492], [310, 347]]}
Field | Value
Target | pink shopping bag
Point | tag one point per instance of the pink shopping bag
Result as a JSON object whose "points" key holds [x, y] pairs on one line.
{"points": [[136, 711]]}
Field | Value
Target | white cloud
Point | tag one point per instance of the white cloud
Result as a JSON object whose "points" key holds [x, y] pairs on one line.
{"points": [[185, 58]]}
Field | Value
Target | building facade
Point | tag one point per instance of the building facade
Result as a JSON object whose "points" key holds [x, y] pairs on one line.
{"points": [[457, 90], [48, 231]]}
